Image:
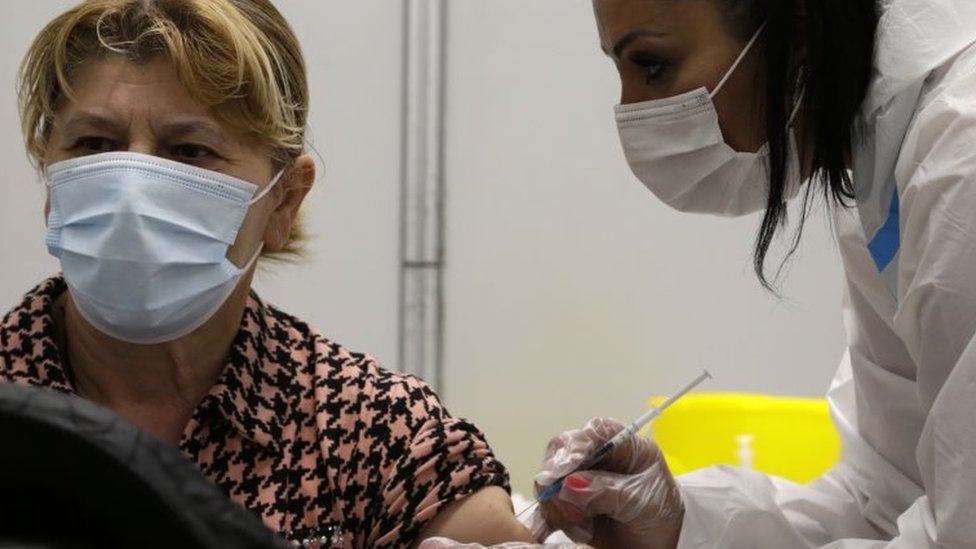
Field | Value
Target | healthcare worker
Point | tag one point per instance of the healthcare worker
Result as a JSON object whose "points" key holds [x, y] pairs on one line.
{"points": [[735, 106]]}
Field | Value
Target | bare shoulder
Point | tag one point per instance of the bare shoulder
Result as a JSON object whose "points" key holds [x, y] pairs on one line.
{"points": [[484, 517]]}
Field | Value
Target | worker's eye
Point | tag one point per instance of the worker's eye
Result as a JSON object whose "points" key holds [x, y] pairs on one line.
{"points": [[651, 66]]}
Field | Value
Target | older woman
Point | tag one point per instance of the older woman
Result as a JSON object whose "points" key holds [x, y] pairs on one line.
{"points": [[171, 137]]}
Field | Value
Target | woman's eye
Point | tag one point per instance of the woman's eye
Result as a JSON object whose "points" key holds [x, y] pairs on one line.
{"points": [[191, 152], [651, 66], [94, 145]]}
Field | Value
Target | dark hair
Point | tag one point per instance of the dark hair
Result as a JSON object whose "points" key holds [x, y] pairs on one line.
{"points": [[826, 49]]}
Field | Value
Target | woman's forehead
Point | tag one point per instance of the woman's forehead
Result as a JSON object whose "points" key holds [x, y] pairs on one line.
{"points": [[114, 78], [620, 15], [618, 18], [117, 89]]}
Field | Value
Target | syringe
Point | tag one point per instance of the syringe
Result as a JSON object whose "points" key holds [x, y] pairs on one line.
{"points": [[550, 491]]}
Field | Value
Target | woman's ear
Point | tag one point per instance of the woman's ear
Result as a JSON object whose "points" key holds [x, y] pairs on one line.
{"points": [[296, 183]]}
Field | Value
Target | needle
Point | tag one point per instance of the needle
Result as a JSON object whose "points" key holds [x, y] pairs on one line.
{"points": [[550, 491]]}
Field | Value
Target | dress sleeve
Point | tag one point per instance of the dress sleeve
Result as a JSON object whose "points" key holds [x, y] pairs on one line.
{"points": [[846, 508], [443, 459], [731, 508]]}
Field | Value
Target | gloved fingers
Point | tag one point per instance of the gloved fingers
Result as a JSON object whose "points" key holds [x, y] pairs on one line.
{"points": [[631, 484], [637, 453], [566, 454], [602, 429], [581, 533], [626, 498], [567, 451], [570, 519], [537, 525], [444, 543]]}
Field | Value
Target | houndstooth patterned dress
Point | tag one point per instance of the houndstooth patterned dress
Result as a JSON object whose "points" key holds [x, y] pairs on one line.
{"points": [[311, 437]]}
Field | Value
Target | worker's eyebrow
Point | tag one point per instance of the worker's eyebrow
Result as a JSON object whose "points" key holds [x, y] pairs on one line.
{"points": [[629, 37]]}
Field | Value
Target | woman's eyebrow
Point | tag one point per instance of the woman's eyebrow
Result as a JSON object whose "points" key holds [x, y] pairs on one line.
{"points": [[629, 37], [86, 121], [90, 121], [183, 128]]}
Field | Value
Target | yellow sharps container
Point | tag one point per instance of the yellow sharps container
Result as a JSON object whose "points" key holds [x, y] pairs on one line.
{"points": [[792, 438]]}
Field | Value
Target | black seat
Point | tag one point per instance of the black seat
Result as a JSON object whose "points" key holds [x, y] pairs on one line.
{"points": [[73, 474]]}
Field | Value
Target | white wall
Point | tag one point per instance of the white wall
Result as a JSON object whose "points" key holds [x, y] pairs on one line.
{"points": [[24, 259], [571, 291], [348, 287]]}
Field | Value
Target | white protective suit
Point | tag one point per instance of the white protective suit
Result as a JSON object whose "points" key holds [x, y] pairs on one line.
{"points": [[904, 397]]}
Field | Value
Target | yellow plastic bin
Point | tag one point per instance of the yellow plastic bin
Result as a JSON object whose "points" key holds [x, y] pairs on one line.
{"points": [[792, 438]]}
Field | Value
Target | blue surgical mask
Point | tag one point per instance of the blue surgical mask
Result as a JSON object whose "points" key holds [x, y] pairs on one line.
{"points": [[143, 241]]}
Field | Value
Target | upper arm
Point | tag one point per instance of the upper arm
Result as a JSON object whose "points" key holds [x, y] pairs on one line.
{"points": [[936, 316], [484, 517], [431, 467]]}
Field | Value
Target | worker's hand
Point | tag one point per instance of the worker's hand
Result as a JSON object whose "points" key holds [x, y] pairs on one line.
{"points": [[629, 500], [444, 543]]}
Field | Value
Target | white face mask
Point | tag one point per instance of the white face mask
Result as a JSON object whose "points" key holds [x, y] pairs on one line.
{"points": [[675, 147], [143, 241]]}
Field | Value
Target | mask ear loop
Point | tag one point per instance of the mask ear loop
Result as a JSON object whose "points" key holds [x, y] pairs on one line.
{"points": [[257, 253], [250, 262], [796, 108], [267, 189], [801, 84], [745, 51]]}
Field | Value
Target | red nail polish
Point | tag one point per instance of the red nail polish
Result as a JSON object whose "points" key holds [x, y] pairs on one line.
{"points": [[574, 515], [577, 482]]}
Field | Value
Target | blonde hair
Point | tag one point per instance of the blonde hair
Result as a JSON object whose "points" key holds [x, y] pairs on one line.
{"points": [[238, 57]]}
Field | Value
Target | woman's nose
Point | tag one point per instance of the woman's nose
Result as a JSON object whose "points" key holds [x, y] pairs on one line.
{"points": [[143, 146]]}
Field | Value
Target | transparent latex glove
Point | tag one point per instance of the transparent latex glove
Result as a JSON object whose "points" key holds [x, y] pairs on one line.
{"points": [[444, 543], [629, 500]]}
